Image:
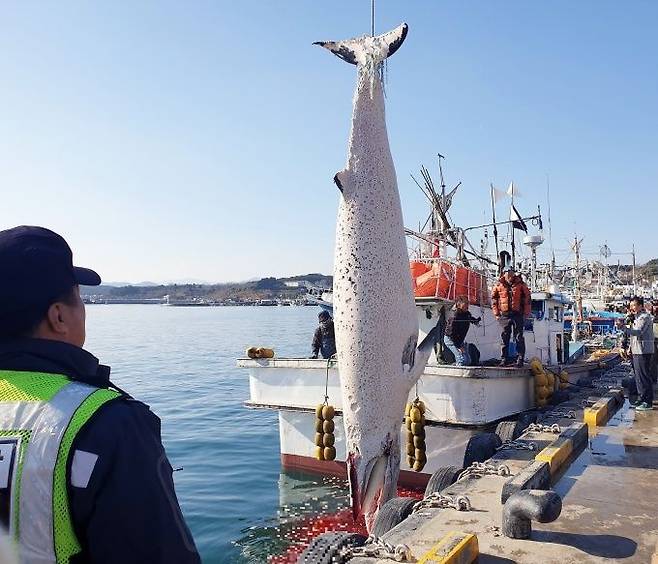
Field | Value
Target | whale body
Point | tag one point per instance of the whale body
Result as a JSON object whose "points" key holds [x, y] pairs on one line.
{"points": [[375, 322]]}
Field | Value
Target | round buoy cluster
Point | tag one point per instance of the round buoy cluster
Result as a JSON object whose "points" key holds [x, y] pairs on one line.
{"points": [[259, 352], [324, 432], [544, 382], [414, 419]]}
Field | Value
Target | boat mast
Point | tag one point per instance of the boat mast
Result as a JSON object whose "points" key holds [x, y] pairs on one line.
{"points": [[513, 233], [495, 228], [577, 294], [634, 287]]}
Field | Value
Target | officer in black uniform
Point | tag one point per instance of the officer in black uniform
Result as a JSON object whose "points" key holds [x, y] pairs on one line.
{"points": [[122, 502]]}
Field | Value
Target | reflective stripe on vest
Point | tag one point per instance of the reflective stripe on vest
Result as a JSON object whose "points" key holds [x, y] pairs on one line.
{"points": [[40, 415]]}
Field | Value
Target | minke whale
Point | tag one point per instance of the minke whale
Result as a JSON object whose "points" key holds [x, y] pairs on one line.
{"points": [[375, 317]]}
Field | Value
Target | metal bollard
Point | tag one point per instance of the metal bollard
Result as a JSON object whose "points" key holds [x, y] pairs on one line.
{"points": [[526, 506]]}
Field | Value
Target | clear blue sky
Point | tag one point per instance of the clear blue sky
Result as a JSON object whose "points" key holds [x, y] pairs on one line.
{"points": [[198, 140]]}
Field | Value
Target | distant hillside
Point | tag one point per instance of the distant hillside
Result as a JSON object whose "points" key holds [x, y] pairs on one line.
{"points": [[263, 289]]}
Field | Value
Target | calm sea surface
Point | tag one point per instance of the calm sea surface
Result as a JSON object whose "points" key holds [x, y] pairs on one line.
{"points": [[182, 362]]}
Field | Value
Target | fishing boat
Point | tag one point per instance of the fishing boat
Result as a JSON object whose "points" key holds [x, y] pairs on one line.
{"points": [[464, 404]]}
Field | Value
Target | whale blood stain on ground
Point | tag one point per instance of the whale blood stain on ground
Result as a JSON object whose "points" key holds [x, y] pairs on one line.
{"points": [[300, 535]]}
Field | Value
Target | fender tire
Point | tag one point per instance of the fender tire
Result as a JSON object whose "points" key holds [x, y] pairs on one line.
{"points": [[392, 513], [441, 479], [324, 548], [481, 447], [509, 430], [559, 397]]}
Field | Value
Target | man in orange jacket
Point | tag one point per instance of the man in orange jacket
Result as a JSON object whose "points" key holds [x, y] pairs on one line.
{"points": [[511, 304]]}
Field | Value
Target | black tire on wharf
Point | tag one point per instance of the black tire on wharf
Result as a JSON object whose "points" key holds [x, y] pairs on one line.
{"points": [[324, 548], [526, 418], [481, 447], [560, 396], [441, 479], [392, 513], [508, 430]]}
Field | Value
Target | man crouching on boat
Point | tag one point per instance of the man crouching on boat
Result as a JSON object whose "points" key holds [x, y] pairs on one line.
{"points": [[85, 477], [457, 326]]}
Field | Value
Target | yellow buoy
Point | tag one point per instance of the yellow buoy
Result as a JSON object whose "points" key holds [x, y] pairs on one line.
{"points": [[418, 466], [551, 380], [319, 452], [564, 376], [415, 415], [419, 442], [328, 412], [564, 385], [318, 411], [420, 456], [541, 379], [421, 405], [251, 352], [319, 426], [407, 408], [328, 439], [411, 461], [263, 352], [536, 366], [542, 402], [329, 453], [408, 423], [319, 439], [542, 392], [411, 449], [328, 426], [418, 429]]}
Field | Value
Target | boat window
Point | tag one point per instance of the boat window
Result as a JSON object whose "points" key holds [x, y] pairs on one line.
{"points": [[537, 307]]}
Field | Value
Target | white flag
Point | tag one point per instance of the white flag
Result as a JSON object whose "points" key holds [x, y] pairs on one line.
{"points": [[497, 195], [513, 191]]}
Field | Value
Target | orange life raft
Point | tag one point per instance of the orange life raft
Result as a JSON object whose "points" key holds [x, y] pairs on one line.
{"points": [[447, 280]]}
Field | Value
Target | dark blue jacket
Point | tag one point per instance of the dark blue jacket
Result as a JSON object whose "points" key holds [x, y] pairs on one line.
{"points": [[129, 511]]}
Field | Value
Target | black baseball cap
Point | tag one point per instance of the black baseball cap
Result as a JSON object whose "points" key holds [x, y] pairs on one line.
{"points": [[36, 268]]}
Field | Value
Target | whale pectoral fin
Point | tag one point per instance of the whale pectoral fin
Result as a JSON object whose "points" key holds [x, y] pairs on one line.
{"points": [[423, 352], [409, 354]]}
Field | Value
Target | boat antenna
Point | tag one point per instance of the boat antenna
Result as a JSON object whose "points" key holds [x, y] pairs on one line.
{"points": [[495, 227], [550, 231], [443, 184]]}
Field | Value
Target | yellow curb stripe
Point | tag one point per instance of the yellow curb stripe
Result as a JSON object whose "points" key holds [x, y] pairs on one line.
{"points": [[596, 415], [556, 454], [454, 548]]}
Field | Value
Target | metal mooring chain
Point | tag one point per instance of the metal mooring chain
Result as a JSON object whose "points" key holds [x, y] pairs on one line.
{"points": [[562, 412], [436, 500], [479, 469], [375, 547], [554, 428], [517, 445]]}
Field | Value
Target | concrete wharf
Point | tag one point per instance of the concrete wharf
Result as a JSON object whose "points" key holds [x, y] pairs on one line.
{"points": [[603, 464]]}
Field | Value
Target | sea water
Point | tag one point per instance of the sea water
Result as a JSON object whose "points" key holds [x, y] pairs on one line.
{"points": [[181, 361]]}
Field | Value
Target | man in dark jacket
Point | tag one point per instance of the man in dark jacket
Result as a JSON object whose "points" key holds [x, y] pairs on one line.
{"points": [[511, 304], [98, 486], [457, 326], [324, 340]]}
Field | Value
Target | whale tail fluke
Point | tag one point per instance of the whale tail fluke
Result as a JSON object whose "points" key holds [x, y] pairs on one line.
{"points": [[357, 51]]}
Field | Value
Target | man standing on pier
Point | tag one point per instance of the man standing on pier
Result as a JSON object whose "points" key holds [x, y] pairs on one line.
{"points": [[642, 345], [84, 477], [510, 303]]}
